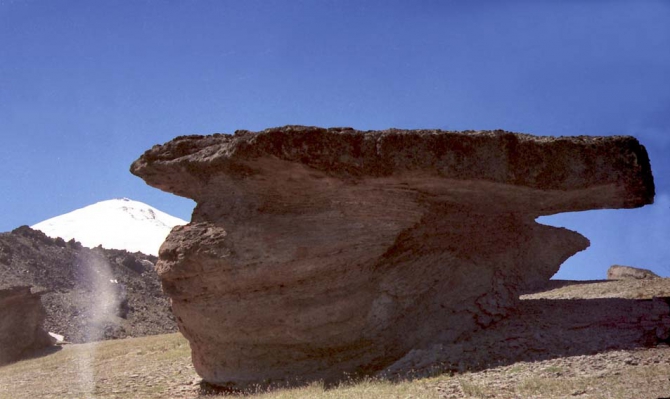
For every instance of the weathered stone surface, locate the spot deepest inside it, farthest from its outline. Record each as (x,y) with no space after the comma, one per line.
(21,320)
(313,252)
(618,272)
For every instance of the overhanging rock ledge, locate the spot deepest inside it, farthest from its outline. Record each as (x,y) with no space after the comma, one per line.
(315,252)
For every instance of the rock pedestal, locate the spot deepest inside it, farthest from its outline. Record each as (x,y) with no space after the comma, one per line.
(21,324)
(316,252)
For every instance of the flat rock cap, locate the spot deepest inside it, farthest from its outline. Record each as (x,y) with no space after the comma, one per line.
(591,172)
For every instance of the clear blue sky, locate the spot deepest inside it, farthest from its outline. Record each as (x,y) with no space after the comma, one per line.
(87,86)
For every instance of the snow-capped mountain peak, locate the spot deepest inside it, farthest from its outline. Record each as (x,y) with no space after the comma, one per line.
(118,223)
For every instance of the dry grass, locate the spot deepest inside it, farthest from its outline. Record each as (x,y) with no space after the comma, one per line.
(147,367)
(643,373)
(160,367)
(154,367)
(368,389)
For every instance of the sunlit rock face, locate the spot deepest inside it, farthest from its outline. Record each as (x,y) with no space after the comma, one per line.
(316,252)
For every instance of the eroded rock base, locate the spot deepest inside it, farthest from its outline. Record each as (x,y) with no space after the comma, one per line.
(313,253)
(351,297)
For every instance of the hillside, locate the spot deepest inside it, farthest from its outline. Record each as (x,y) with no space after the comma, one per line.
(92,294)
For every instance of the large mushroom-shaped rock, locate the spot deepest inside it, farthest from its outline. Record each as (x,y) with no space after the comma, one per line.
(21,324)
(316,252)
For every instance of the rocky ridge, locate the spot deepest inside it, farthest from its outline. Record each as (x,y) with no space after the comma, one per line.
(618,272)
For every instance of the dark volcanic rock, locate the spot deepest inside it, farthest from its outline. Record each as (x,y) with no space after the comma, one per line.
(314,252)
(21,324)
(91,294)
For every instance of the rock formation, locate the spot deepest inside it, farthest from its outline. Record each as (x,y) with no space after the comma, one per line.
(21,321)
(316,252)
(617,272)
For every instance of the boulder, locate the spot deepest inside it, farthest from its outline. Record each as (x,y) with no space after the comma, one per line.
(618,272)
(21,324)
(317,252)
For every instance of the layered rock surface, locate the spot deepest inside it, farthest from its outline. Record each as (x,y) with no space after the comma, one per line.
(314,252)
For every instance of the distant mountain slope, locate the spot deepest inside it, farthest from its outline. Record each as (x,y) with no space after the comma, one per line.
(92,294)
(114,224)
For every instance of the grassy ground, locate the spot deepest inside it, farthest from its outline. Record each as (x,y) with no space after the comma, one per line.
(640,373)
(146,367)
(160,367)
(152,367)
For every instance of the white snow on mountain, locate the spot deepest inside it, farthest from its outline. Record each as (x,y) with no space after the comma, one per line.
(114,224)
